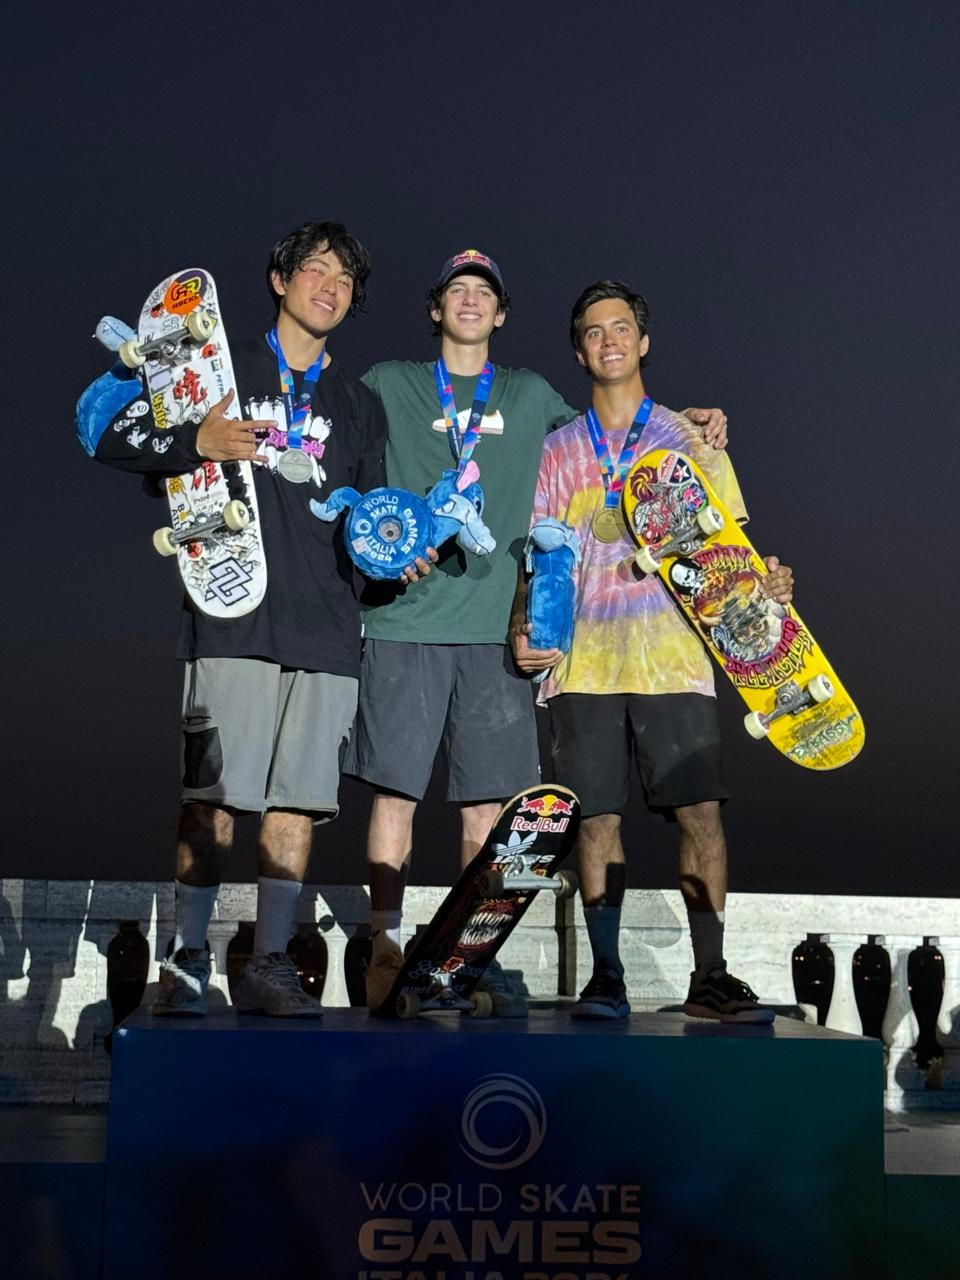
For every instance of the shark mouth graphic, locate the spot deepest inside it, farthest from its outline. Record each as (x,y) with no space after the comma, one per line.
(484,927)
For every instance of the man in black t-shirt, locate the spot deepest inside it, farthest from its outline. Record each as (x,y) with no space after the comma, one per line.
(269,698)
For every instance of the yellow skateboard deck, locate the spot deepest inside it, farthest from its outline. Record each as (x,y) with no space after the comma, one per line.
(686,535)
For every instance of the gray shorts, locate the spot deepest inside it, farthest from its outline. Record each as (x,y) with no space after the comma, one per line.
(259,736)
(464,698)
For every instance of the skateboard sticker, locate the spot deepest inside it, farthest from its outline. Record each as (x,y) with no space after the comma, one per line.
(227,582)
(550,813)
(185,293)
(666,499)
(822,736)
(760,642)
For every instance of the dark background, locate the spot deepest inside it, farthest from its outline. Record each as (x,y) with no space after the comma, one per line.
(779,181)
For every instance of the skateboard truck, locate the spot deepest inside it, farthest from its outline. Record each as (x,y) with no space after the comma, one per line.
(689,537)
(517,876)
(234,516)
(444,996)
(790,700)
(198,326)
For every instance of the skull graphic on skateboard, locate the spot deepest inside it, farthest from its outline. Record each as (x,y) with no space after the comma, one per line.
(533,833)
(182,355)
(688,538)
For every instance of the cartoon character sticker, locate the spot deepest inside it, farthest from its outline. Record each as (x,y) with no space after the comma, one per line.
(726,597)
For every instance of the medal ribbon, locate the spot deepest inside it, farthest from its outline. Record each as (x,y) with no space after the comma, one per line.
(299,406)
(613,476)
(462,448)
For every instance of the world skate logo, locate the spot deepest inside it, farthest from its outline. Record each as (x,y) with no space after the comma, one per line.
(504,1122)
(228,582)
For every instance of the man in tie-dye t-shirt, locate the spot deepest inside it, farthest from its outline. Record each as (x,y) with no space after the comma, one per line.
(637,681)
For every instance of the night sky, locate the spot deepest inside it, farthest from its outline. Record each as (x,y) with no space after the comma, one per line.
(779,181)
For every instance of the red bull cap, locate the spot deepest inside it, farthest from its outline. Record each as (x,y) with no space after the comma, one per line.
(472,262)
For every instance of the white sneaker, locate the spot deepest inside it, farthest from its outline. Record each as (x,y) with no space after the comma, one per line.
(385,964)
(271,985)
(182,991)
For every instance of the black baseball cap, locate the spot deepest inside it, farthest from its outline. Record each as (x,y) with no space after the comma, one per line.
(473,262)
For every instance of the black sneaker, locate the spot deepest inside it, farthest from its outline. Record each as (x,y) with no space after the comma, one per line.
(508,1001)
(720,995)
(604,996)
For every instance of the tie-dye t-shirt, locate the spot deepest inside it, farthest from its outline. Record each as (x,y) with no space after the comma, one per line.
(629,637)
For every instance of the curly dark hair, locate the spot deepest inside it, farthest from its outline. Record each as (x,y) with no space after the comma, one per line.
(598,292)
(289,254)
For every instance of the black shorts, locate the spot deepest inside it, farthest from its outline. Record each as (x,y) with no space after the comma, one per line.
(674,738)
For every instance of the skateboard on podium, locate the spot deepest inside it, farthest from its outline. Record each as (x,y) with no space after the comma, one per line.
(688,538)
(532,835)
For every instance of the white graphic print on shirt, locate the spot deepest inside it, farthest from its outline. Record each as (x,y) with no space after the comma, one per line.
(273,443)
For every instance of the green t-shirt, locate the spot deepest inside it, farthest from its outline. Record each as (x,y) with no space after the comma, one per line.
(466,598)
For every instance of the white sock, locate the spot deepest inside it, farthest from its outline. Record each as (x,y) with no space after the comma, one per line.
(276,913)
(193,909)
(385,927)
(706,938)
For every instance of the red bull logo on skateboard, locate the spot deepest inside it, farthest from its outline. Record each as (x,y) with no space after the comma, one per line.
(550,813)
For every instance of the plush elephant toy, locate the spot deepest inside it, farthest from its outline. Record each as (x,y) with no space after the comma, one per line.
(112,392)
(551,551)
(387,529)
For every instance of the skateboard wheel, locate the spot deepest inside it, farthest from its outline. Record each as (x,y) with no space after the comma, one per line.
(408,1005)
(820,688)
(235,515)
(131,355)
(490,884)
(646,560)
(200,325)
(163,543)
(710,520)
(481,1004)
(755,725)
(568,885)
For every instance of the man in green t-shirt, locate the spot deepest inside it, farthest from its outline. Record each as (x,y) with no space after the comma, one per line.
(437,671)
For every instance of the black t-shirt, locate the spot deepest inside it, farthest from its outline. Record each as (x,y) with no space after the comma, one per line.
(309,618)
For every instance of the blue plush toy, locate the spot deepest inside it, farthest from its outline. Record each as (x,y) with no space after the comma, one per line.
(111,392)
(551,552)
(387,529)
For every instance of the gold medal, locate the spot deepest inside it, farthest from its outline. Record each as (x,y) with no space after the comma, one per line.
(609,525)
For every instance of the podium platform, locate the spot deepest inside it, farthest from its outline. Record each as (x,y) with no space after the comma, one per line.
(453,1149)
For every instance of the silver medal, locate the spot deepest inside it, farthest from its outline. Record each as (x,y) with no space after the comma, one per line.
(295,466)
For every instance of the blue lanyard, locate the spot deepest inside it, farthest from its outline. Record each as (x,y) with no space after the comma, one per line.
(613,476)
(462,449)
(300,405)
